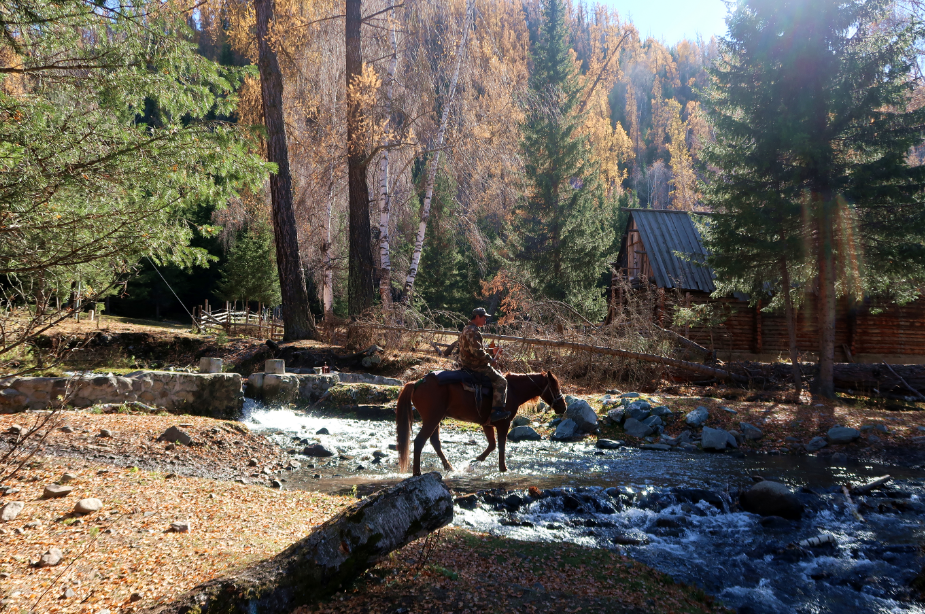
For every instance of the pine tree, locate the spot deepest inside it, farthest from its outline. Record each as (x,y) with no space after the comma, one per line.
(809,107)
(250,273)
(561,226)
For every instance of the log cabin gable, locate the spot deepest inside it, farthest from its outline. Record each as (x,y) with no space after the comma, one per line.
(665,249)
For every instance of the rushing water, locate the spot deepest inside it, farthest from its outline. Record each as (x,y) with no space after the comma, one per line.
(651,505)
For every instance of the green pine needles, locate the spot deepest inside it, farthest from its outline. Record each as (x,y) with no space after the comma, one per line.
(561,228)
(810,106)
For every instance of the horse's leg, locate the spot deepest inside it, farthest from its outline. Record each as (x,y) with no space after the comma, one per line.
(435,442)
(427,429)
(490,436)
(502,440)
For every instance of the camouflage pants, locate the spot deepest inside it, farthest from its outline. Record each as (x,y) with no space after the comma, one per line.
(498,384)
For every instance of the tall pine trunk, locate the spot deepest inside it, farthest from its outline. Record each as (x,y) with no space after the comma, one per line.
(826,309)
(297,316)
(385,196)
(435,160)
(791,327)
(360,271)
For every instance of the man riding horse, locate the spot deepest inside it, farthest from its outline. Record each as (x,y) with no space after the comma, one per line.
(474,357)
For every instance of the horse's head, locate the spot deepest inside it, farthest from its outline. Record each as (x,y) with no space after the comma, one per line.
(552,394)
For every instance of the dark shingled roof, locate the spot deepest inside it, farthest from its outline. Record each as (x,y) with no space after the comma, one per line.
(664,233)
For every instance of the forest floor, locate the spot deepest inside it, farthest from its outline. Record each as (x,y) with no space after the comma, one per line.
(124,557)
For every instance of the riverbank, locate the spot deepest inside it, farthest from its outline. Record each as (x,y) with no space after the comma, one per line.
(127,556)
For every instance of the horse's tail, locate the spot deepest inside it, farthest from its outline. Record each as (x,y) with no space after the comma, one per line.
(403,419)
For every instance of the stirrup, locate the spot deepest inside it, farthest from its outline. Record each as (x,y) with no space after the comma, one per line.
(498,414)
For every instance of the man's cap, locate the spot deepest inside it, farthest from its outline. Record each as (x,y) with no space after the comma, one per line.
(479,311)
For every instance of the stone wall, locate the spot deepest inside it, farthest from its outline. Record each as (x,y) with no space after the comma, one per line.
(283,388)
(205,394)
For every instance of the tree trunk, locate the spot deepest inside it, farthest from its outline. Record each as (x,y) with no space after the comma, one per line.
(297,316)
(791,326)
(435,160)
(327,288)
(385,196)
(826,309)
(334,554)
(360,268)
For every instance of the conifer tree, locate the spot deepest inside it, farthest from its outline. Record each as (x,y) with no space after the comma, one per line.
(812,132)
(250,273)
(561,226)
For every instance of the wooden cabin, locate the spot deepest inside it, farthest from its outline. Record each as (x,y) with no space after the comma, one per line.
(661,252)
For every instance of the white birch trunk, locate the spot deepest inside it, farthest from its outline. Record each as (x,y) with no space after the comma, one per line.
(435,160)
(327,289)
(385,197)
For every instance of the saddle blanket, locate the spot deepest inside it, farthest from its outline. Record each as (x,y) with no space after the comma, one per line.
(469,380)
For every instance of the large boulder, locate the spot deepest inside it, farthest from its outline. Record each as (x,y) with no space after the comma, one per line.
(697,416)
(717,439)
(842,434)
(639,410)
(661,411)
(583,415)
(750,431)
(617,415)
(566,430)
(318,450)
(771,499)
(523,433)
(333,555)
(634,427)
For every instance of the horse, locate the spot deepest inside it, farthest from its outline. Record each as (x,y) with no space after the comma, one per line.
(435,402)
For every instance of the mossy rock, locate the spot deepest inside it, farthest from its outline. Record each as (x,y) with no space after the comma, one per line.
(361,394)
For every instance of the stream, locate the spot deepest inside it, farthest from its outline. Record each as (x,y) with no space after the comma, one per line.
(670,510)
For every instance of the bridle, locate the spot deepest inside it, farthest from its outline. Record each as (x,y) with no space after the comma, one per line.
(543,391)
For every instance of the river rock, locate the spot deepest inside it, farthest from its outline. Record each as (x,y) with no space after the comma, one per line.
(634,427)
(668,440)
(11,510)
(523,433)
(842,434)
(717,439)
(88,506)
(176,435)
(583,415)
(566,430)
(608,444)
(771,499)
(317,450)
(816,443)
(661,447)
(617,415)
(697,416)
(55,491)
(51,558)
(520,421)
(661,411)
(750,431)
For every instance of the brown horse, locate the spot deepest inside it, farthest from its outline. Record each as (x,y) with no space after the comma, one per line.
(435,402)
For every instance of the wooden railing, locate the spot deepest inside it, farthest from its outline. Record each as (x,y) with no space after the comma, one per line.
(263,323)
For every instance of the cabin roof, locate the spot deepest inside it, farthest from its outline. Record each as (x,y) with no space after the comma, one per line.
(666,234)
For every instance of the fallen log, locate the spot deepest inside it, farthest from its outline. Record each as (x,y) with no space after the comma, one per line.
(332,555)
(856,376)
(583,347)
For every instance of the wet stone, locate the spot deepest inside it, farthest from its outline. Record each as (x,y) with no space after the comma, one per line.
(523,433)
(842,435)
(608,444)
(816,443)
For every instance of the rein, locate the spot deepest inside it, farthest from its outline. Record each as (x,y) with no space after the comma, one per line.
(543,390)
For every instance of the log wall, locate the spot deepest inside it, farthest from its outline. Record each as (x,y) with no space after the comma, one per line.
(872,327)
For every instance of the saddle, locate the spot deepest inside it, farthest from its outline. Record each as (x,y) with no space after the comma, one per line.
(471,382)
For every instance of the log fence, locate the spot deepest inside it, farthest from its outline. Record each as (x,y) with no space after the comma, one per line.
(262,323)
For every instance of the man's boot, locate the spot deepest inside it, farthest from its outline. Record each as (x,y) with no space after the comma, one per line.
(498,414)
